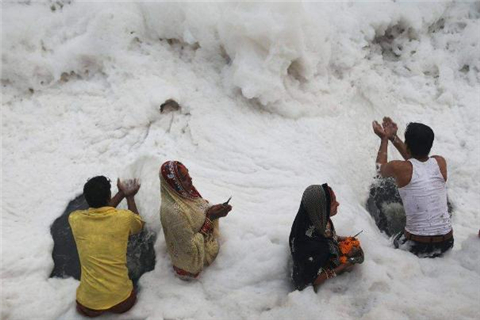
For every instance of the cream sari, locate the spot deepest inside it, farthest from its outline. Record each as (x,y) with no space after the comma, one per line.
(182,216)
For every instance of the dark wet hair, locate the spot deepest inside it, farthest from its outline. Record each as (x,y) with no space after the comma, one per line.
(97,191)
(419,139)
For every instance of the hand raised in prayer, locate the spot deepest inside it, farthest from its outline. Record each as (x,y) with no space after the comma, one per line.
(128,187)
(377,128)
(218,211)
(389,127)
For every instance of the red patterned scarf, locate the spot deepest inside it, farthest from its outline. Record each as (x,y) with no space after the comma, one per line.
(169,172)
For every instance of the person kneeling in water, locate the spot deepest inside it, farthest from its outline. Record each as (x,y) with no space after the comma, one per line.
(101,235)
(189,222)
(421,182)
(316,249)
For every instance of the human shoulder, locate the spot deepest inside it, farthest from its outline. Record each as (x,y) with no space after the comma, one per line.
(75,215)
(124,213)
(134,222)
(401,170)
(399,164)
(442,164)
(441,160)
(394,167)
(127,214)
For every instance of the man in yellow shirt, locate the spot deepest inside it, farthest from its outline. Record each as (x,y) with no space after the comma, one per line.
(101,234)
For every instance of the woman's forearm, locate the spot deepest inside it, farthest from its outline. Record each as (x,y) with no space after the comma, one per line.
(328,273)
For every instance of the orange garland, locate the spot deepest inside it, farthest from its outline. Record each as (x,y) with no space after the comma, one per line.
(346,246)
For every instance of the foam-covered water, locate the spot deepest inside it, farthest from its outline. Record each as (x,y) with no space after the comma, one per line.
(274,97)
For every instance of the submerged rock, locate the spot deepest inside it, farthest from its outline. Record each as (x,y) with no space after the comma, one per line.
(140,251)
(385,206)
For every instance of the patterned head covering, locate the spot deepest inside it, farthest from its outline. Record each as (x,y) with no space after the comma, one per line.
(169,172)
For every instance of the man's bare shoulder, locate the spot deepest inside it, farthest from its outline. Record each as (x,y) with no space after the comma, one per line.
(402,171)
(440,159)
(400,164)
(395,168)
(442,164)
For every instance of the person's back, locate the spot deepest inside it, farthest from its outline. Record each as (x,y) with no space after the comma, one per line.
(425,200)
(101,234)
(422,186)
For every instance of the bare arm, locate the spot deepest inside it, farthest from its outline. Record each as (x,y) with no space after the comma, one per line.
(400,146)
(328,274)
(115,201)
(390,128)
(382,150)
(382,156)
(132,206)
(385,168)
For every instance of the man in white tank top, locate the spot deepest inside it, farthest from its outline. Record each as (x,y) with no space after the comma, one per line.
(421,182)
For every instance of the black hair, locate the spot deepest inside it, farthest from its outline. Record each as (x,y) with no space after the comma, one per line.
(419,139)
(97,192)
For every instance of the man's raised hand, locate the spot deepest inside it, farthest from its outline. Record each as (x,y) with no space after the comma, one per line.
(389,127)
(378,129)
(129,187)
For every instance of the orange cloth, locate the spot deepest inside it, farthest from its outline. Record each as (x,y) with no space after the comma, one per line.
(101,235)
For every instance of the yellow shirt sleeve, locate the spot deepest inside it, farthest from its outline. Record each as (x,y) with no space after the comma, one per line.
(136,223)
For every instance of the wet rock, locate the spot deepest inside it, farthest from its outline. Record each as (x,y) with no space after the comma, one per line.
(140,250)
(385,206)
(169,106)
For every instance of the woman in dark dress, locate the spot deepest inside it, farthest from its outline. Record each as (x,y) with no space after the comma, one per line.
(313,241)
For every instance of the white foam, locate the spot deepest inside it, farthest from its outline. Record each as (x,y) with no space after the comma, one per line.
(274,97)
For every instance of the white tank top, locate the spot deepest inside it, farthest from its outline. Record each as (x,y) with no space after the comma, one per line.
(425,200)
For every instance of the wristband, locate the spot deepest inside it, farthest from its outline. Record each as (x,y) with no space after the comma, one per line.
(330,273)
(207,227)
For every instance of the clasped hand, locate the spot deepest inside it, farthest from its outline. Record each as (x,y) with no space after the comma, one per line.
(388,129)
(218,211)
(128,187)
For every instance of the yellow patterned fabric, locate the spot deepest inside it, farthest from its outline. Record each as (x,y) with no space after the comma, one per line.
(101,235)
(182,218)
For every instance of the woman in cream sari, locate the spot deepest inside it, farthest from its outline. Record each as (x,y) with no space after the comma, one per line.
(189,223)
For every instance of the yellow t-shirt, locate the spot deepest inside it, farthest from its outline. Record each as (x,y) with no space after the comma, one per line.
(101,235)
